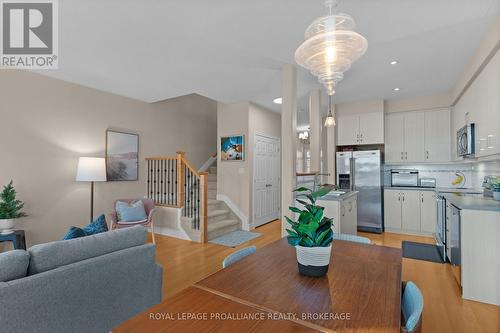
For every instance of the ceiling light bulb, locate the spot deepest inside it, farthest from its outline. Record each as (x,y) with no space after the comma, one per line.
(394,62)
(396,89)
(278,100)
(330,54)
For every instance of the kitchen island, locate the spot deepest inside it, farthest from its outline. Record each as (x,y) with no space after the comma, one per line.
(343,208)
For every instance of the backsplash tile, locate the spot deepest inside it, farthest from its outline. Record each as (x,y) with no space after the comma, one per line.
(445,173)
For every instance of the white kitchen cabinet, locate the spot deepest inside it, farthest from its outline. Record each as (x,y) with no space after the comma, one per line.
(413,138)
(394,137)
(348,130)
(371,128)
(418,136)
(392,209)
(364,128)
(437,135)
(410,211)
(480,104)
(344,213)
(428,211)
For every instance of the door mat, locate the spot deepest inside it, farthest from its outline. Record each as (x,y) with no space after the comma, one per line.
(421,251)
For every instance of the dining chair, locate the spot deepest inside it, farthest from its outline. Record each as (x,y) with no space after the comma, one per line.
(149,207)
(351,238)
(412,306)
(238,255)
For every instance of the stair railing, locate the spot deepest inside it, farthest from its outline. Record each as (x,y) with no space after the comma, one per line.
(173,182)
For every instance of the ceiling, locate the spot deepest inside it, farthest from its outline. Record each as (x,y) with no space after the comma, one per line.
(233,51)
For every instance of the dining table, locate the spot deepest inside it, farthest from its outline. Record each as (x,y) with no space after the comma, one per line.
(264,292)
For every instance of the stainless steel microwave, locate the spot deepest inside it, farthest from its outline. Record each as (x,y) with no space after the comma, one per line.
(465,140)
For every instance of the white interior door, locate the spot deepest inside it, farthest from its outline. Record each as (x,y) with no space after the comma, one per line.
(266,174)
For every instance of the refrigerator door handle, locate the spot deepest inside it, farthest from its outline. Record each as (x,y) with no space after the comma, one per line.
(353,171)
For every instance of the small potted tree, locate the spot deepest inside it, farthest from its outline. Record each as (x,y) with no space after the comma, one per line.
(10,209)
(495,188)
(311,234)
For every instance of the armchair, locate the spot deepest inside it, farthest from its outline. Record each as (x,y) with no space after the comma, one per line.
(149,207)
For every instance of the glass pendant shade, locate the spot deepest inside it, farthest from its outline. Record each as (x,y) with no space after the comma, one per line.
(331,45)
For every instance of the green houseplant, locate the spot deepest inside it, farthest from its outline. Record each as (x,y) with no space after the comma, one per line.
(311,234)
(10,209)
(495,188)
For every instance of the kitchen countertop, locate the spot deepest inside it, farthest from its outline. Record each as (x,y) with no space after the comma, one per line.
(436,189)
(455,196)
(473,203)
(341,197)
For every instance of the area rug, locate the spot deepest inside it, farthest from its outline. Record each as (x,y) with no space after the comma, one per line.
(421,251)
(235,238)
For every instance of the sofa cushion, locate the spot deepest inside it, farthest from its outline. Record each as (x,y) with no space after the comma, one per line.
(44,257)
(97,226)
(129,212)
(74,232)
(13,265)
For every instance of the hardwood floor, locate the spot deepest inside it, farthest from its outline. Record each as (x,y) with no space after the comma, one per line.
(185,263)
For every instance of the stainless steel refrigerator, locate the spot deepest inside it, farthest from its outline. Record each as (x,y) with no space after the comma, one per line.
(362,171)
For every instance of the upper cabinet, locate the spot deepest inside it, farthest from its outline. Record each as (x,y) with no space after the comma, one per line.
(360,129)
(481,101)
(419,136)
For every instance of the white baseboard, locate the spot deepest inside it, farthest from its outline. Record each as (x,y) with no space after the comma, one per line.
(243,218)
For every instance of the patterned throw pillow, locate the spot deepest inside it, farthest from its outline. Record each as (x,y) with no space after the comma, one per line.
(131,212)
(74,232)
(97,226)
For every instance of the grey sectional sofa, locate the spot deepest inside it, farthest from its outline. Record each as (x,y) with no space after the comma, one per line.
(88,284)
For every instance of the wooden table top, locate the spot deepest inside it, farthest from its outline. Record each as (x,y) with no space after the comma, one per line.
(264,292)
(197,310)
(361,292)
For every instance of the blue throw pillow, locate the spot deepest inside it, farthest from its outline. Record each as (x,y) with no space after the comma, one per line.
(132,212)
(74,232)
(97,226)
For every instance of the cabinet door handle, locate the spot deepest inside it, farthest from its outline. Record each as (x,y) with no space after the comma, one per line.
(403,197)
(406,155)
(427,154)
(422,196)
(399,196)
(401,155)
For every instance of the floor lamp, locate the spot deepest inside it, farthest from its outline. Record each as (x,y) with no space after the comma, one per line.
(91,169)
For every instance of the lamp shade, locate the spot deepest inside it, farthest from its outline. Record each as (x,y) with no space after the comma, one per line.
(91,169)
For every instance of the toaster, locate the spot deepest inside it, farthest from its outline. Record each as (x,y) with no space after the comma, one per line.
(427,182)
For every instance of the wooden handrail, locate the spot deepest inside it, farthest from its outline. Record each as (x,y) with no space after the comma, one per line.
(312,173)
(190,167)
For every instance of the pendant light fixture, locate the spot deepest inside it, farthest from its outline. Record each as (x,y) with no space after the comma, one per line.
(330,119)
(331,45)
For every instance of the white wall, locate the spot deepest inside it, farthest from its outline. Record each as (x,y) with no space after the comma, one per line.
(46,124)
(234,179)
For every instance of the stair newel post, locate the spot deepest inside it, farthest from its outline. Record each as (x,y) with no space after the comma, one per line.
(204,206)
(180,178)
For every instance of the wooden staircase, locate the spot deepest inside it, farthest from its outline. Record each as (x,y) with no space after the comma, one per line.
(221,219)
(173,182)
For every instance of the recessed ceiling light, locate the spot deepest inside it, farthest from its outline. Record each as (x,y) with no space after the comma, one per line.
(396,89)
(278,100)
(394,62)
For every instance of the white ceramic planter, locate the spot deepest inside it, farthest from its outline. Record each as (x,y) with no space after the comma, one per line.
(6,226)
(496,196)
(313,261)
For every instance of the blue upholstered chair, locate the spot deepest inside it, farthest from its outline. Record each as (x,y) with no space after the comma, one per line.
(351,238)
(412,306)
(238,255)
